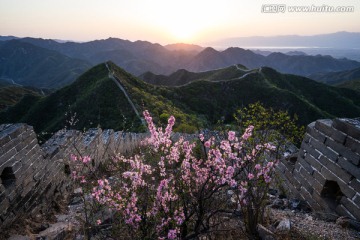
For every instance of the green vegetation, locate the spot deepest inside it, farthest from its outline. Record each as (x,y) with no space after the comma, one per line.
(308,99)
(34,66)
(209,97)
(12,94)
(352,84)
(276,126)
(96,101)
(93,97)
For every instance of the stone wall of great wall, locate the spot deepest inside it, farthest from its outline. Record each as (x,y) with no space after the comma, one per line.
(34,177)
(325,172)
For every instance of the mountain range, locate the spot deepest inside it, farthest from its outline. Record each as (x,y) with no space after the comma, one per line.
(335,78)
(29,65)
(331,40)
(52,64)
(106,96)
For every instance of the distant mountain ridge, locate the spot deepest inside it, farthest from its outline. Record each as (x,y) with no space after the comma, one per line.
(30,65)
(141,56)
(334,78)
(331,40)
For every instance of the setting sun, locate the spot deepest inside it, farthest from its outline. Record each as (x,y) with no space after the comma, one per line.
(183,32)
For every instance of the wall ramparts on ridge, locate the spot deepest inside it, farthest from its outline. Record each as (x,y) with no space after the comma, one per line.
(34,177)
(326,171)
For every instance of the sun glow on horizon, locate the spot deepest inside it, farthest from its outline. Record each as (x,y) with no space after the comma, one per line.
(186,21)
(164,21)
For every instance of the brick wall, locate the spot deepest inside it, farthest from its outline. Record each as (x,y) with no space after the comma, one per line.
(326,171)
(33,177)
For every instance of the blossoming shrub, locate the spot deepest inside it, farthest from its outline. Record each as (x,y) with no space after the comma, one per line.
(167,191)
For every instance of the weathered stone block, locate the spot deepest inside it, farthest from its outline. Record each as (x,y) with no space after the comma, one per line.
(351,207)
(342,211)
(315,133)
(324,150)
(343,151)
(281,167)
(304,183)
(319,177)
(338,136)
(305,165)
(355,184)
(335,169)
(353,144)
(295,182)
(6,158)
(324,126)
(350,167)
(356,199)
(315,164)
(351,156)
(310,150)
(348,126)
(4,139)
(335,146)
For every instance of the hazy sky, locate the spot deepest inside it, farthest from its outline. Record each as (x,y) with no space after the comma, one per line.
(169,21)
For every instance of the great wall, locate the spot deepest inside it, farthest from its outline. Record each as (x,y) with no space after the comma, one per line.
(33,177)
(325,172)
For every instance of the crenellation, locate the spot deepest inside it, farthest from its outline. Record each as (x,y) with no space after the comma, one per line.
(350,127)
(329,156)
(34,175)
(328,168)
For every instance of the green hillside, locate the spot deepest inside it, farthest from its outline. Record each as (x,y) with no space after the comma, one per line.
(351,84)
(34,66)
(97,100)
(306,98)
(10,95)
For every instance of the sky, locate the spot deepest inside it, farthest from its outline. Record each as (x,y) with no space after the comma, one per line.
(171,21)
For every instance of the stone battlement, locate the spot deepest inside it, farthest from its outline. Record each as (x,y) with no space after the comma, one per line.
(34,176)
(326,171)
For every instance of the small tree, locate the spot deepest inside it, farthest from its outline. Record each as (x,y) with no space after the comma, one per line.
(167,191)
(269,126)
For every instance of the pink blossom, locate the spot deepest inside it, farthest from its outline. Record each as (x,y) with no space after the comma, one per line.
(201,137)
(151,186)
(86,159)
(231,135)
(73,157)
(172,234)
